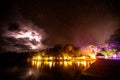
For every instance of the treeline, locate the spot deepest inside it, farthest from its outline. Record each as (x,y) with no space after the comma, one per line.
(15,55)
(61,50)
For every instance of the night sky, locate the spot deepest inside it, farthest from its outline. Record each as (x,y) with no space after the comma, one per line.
(77,22)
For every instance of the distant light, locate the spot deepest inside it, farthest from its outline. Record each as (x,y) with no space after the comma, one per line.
(51,58)
(114,56)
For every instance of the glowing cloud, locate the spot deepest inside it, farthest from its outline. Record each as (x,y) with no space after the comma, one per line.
(27,35)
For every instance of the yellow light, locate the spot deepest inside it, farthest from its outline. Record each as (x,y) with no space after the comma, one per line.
(51,58)
(65,58)
(33,63)
(34,57)
(65,63)
(45,58)
(78,57)
(39,57)
(78,63)
(83,63)
(38,64)
(50,64)
(70,63)
(106,56)
(60,58)
(93,57)
(69,58)
(83,57)
(61,63)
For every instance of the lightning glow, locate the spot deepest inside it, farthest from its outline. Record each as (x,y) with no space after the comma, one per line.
(31,36)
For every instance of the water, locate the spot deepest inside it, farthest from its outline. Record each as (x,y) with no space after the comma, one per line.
(42,70)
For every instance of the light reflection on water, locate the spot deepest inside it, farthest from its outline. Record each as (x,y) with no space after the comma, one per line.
(43,70)
(83,65)
(60,70)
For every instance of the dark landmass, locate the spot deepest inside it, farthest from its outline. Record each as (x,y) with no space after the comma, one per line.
(103,69)
(14,58)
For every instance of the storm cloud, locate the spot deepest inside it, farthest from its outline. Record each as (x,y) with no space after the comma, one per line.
(22,36)
(77,22)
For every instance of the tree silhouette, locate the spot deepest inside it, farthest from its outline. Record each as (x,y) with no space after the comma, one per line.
(114,40)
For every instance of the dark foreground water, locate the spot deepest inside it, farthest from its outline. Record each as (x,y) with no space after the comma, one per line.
(26,69)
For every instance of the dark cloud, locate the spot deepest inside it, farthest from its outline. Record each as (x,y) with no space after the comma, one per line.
(13,26)
(114,38)
(12,44)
